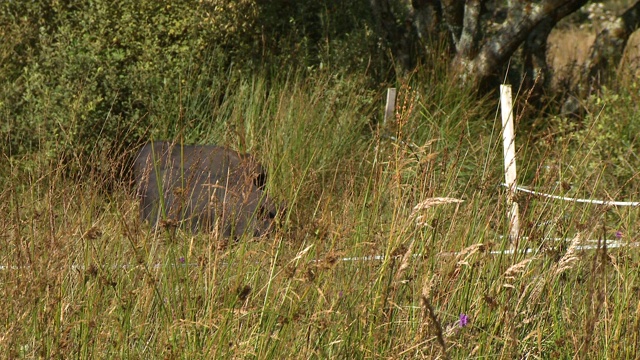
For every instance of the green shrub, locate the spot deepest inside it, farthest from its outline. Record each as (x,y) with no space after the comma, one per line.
(604,145)
(103,73)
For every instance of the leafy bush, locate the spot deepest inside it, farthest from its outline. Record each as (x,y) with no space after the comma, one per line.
(79,77)
(101,73)
(604,145)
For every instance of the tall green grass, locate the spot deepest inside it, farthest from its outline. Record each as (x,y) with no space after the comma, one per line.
(83,278)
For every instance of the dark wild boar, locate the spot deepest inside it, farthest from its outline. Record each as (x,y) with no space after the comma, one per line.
(202,186)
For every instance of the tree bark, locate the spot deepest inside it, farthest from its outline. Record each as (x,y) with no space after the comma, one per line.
(394,37)
(534,58)
(453,15)
(468,43)
(522,19)
(609,46)
(425,16)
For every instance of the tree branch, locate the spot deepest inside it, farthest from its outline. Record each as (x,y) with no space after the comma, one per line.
(453,14)
(469,37)
(609,45)
(520,22)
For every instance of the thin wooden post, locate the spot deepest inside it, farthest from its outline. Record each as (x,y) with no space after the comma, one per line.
(391,105)
(509,152)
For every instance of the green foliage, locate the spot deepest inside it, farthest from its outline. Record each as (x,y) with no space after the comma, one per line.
(315,34)
(83,278)
(92,78)
(94,72)
(305,129)
(605,142)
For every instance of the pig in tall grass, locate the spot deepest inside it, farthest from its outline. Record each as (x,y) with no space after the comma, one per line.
(202,187)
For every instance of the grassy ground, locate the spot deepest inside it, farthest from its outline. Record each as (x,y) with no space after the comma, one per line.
(83,278)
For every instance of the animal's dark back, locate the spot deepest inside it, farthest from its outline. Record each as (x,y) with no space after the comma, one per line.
(202,185)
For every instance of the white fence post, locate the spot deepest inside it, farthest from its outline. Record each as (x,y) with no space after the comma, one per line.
(509,151)
(391,105)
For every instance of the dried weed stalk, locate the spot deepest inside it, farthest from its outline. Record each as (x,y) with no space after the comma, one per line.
(428,203)
(569,258)
(518,268)
(462,258)
(429,312)
(404,265)
(567,262)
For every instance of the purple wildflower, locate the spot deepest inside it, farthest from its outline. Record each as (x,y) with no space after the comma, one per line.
(618,234)
(464,320)
(181,260)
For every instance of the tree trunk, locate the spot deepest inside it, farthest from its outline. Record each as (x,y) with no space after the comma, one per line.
(609,46)
(453,15)
(425,16)
(534,60)
(394,37)
(536,75)
(521,21)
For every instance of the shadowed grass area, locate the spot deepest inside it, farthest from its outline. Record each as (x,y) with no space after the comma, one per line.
(83,278)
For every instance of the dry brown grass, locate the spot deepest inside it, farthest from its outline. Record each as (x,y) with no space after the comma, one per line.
(87,279)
